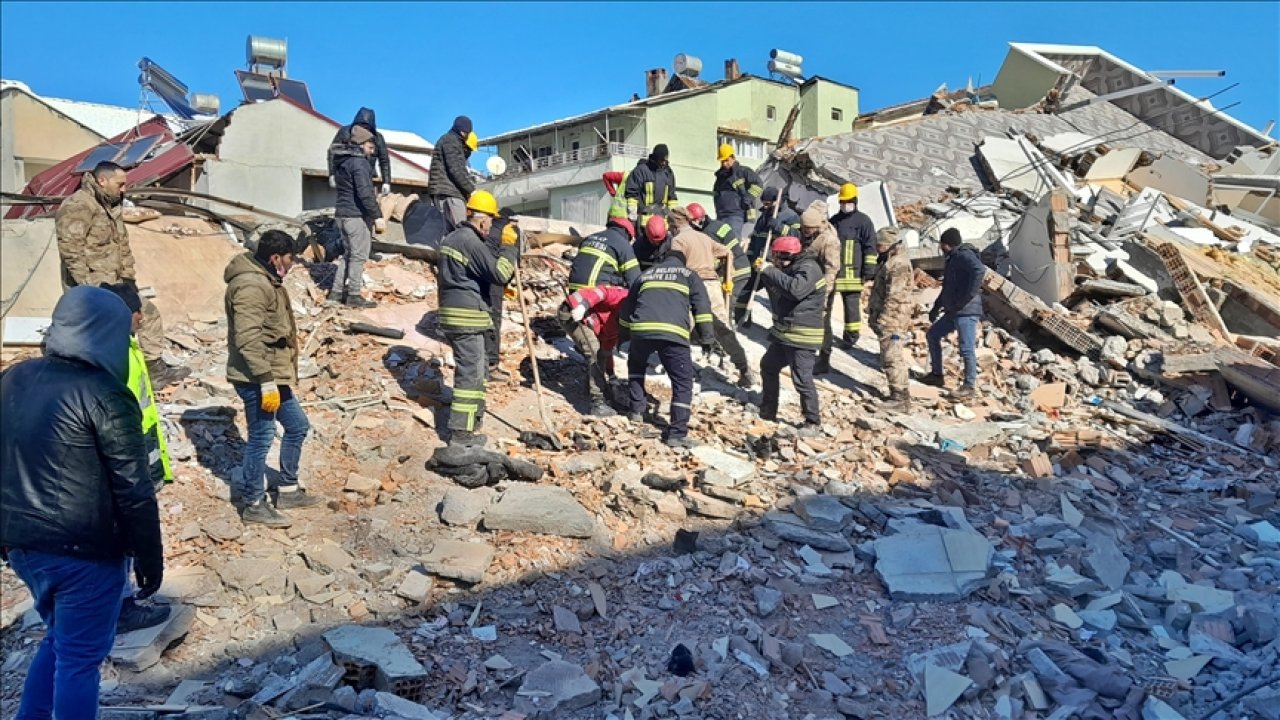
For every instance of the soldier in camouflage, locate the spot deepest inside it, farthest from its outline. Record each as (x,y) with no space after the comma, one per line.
(94,248)
(889,315)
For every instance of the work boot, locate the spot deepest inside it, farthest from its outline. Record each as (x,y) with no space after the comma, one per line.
(163,376)
(809,430)
(680,443)
(747,379)
(296,500)
(335,298)
(497,374)
(934,379)
(823,365)
(261,513)
(849,340)
(964,391)
(899,402)
(464,438)
(635,417)
(136,617)
(600,408)
(358,302)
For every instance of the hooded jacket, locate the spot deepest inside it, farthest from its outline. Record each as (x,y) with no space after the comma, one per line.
(262,339)
(662,301)
(798,296)
(365,119)
(75,478)
(961,294)
(354,181)
(650,187)
(92,240)
(467,270)
(449,175)
(605,258)
(736,190)
(858,255)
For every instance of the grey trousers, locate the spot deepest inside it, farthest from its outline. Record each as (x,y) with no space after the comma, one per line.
(453,209)
(357,241)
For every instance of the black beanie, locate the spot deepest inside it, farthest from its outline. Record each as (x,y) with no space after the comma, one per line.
(951,238)
(660,152)
(462,124)
(770,195)
(126,292)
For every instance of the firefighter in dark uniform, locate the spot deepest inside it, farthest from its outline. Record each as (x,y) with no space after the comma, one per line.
(775,220)
(857,260)
(467,272)
(798,298)
(497,293)
(737,191)
(657,315)
(650,187)
(723,233)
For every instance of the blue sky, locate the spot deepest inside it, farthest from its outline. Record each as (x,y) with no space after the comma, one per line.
(511,65)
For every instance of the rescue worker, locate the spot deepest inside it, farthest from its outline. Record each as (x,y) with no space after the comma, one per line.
(857,260)
(713,263)
(466,271)
(358,215)
(498,294)
(650,187)
(656,315)
(723,233)
(737,191)
(957,309)
(606,257)
(381,158)
(817,234)
(645,246)
(449,184)
(93,245)
(775,220)
(797,289)
(889,315)
(590,317)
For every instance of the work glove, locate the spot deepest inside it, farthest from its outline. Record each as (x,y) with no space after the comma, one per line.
(727,286)
(752,214)
(510,236)
(386,188)
(509,293)
(149,572)
(333,182)
(380,226)
(578,313)
(270,397)
(707,350)
(934,313)
(758,263)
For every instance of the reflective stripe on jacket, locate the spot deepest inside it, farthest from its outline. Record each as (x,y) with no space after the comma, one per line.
(152,429)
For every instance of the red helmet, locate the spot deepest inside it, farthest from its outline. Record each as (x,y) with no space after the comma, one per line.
(656,229)
(696,212)
(625,224)
(786,245)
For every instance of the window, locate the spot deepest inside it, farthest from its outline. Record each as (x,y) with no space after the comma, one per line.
(837,114)
(745,148)
(544,151)
(771,113)
(617,135)
(574,146)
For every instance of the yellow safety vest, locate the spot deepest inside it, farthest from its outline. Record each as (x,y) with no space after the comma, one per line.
(152,430)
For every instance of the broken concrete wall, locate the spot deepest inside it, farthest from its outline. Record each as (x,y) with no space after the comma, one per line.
(1174,177)
(1035,266)
(1248,313)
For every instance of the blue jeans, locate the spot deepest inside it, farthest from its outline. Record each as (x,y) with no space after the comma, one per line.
(79,601)
(966,327)
(262,430)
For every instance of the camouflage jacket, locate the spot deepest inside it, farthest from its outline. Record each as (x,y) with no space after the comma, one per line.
(826,245)
(893,299)
(92,239)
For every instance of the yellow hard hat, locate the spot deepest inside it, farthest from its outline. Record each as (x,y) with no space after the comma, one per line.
(848,191)
(472,141)
(482,201)
(726,152)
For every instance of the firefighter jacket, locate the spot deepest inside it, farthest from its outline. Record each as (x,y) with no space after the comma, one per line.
(893,295)
(722,232)
(152,430)
(605,258)
(467,271)
(737,191)
(650,188)
(772,224)
(661,302)
(798,296)
(603,303)
(857,250)
(92,239)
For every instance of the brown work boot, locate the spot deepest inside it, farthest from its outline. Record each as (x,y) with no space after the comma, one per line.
(899,402)
(964,391)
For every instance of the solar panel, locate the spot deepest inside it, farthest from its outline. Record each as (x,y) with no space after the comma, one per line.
(256,87)
(295,90)
(106,151)
(135,151)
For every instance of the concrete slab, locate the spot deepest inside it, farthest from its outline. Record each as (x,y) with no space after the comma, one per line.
(459,560)
(547,510)
(1106,562)
(138,650)
(1174,177)
(554,689)
(377,647)
(1114,165)
(932,563)
(823,512)
(942,688)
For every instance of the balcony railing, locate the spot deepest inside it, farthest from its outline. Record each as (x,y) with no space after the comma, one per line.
(580,156)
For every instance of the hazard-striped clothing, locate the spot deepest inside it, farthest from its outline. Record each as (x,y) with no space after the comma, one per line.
(668,302)
(857,262)
(798,297)
(605,258)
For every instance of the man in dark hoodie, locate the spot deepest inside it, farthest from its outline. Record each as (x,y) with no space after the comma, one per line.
(357,213)
(76,496)
(364,119)
(651,187)
(957,309)
(450,184)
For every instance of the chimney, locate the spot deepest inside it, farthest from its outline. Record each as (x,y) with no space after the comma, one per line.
(731,69)
(655,81)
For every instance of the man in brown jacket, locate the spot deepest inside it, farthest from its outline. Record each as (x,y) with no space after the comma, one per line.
(818,235)
(262,366)
(889,314)
(94,247)
(702,255)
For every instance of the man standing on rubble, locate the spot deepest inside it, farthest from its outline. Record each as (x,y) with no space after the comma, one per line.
(775,220)
(94,247)
(651,186)
(889,313)
(656,315)
(358,214)
(713,263)
(957,309)
(262,366)
(797,292)
(364,119)
(76,497)
(467,270)
(737,191)
(817,234)
(857,260)
(449,183)
(590,317)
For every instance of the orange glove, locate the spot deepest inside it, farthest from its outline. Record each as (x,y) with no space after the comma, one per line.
(727,286)
(270,397)
(509,234)
(509,293)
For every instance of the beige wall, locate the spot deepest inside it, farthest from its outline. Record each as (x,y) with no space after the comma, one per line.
(33,138)
(1022,80)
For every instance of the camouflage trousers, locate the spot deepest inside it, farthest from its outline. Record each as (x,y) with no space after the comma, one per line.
(151,332)
(895,360)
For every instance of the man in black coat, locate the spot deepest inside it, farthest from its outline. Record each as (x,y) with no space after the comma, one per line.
(76,496)
(450,184)
(364,119)
(957,309)
(357,214)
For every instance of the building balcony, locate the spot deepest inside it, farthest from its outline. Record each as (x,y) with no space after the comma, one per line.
(581,156)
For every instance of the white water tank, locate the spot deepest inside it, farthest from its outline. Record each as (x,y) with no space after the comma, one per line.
(205,103)
(783,68)
(786,57)
(688,65)
(271,52)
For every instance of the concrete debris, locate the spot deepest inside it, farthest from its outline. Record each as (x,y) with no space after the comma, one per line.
(554,689)
(546,510)
(932,563)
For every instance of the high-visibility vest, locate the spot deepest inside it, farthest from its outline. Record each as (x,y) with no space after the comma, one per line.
(152,430)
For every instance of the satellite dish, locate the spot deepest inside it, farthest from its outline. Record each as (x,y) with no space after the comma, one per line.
(495,165)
